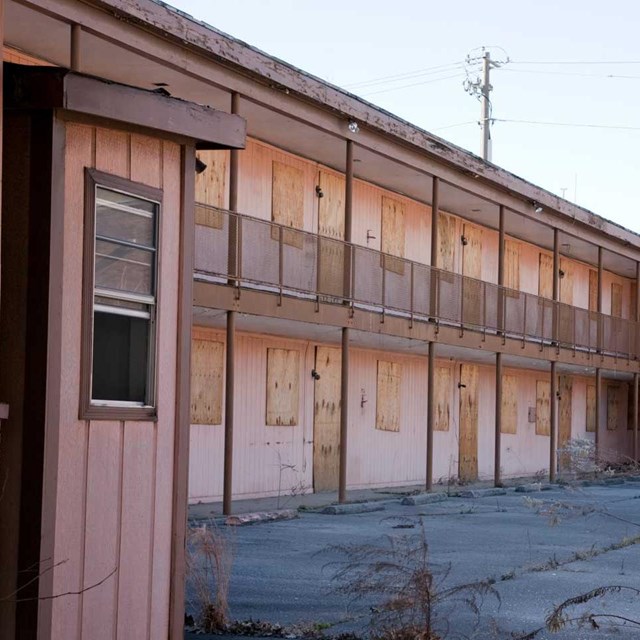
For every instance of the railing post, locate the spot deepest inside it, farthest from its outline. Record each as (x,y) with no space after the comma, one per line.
(524,321)
(411,290)
(352,269)
(384,285)
(280,261)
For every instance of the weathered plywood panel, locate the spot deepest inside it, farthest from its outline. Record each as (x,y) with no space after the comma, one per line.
(446,242)
(614,406)
(331,228)
(512,250)
(393,233)
(283,382)
(591,408)
(616,300)
(509,404)
(472,301)
(468,438)
(545,276)
(565,388)
(326,420)
(442,398)
(146,160)
(543,407)
(566,281)
(206,381)
(388,396)
(630,408)
(593,290)
(211,184)
(287,201)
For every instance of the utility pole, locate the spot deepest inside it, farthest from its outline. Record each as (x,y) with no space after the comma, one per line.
(485,89)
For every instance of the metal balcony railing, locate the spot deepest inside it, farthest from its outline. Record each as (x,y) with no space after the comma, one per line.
(248,252)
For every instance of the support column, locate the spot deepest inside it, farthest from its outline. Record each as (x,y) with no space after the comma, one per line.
(348,220)
(636,381)
(600,328)
(431,411)
(344,415)
(556,284)
(234,156)
(435,243)
(553,435)
(76,35)
(229,387)
(501,299)
(497,480)
(598,402)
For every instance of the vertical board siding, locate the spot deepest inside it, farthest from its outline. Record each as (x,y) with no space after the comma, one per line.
(567,281)
(211,185)
(283,382)
(393,233)
(509,404)
(593,290)
(331,226)
(114,484)
(613,406)
(206,381)
(446,242)
(545,276)
(616,300)
(468,460)
(326,419)
(512,251)
(388,392)
(591,408)
(442,398)
(543,408)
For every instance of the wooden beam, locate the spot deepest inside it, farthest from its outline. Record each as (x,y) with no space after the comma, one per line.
(344,415)
(74,53)
(227,490)
(497,481)
(431,411)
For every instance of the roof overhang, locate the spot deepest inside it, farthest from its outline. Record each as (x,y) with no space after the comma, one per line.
(34,88)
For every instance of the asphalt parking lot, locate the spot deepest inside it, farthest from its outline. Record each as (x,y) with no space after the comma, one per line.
(538,549)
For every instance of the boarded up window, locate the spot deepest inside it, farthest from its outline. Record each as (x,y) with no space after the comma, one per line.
(468,443)
(472,299)
(613,406)
(287,202)
(593,290)
(616,300)
(566,281)
(509,404)
(331,228)
(543,408)
(446,242)
(442,398)
(591,408)
(388,396)
(211,188)
(206,381)
(545,276)
(512,264)
(393,230)
(283,378)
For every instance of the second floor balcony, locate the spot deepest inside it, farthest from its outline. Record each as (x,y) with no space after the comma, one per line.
(246,252)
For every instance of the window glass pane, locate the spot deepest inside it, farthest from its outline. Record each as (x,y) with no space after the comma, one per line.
(123,268)
(120,358)
(124,217)
(122,304)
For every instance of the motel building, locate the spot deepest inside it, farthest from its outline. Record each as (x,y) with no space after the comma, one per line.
(224,278)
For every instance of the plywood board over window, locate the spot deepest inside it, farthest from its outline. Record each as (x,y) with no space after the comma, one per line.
(393,234)
(468,443)
(472,299)
(616,300)
(287,202)
(509,404)
(283,383)
(446,242)
(206,381)
(545,276)
(566,281)
(388,396)
(442,398)
(543,407)
(211,188)
(591,408)
(614,391)
(512,264)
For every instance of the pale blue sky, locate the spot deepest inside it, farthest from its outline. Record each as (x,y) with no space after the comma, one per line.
(348,42)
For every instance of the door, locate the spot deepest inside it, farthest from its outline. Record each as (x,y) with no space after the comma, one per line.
(472,268)
(468,438)
(331,196)
(565,388)
(326,420)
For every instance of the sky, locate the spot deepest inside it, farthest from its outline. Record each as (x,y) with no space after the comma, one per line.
(570,63)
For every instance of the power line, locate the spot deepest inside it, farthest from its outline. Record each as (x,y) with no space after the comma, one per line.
(415,84)
(560,62)
(405,76)
(568,73)
(458,124)
(569,124)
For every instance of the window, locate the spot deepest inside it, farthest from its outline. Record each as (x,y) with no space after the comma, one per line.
(120,298)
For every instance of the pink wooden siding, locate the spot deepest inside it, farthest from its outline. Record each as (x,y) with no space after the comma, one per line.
(113,491)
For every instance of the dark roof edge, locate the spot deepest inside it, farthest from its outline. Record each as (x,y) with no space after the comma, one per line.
(178,25)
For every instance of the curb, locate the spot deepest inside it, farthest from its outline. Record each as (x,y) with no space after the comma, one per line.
(423,498)
(481,493)
(260,516)
(356,507)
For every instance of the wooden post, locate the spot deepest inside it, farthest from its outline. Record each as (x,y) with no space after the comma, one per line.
(600,327)
(348,223)
(227,490)
(435,206)
(636,312)
(553,400)
(431,411)
(556,285)
(636,381)
(501,299)
(344,416)
(74,55)
(497,481)
(598,393)
(233,268)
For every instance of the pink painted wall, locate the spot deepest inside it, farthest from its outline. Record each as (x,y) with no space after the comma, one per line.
(108,484)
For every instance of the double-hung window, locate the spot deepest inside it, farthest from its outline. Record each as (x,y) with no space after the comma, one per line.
(121,268)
